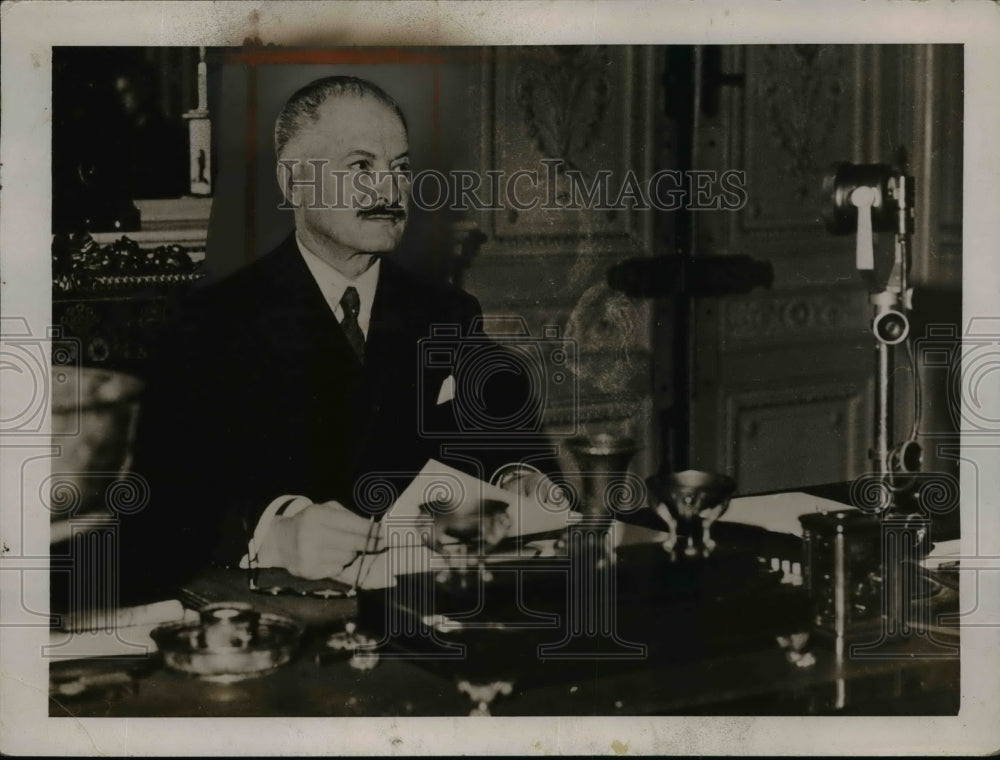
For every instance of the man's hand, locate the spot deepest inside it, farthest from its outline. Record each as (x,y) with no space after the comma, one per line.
(533,484)
(319,541)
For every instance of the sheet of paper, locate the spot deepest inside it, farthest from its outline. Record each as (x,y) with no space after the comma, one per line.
(131,640)
(126,617)
(942,553)
(527,515)
(778,512)
(437,481)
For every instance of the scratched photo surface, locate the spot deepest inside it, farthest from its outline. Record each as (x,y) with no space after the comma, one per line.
(621,316)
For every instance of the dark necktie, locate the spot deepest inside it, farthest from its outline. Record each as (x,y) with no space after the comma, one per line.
(351,304)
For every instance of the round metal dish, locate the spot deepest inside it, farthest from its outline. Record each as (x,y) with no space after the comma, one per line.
(230,642)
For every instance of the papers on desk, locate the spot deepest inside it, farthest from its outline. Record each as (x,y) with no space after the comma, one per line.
(528,517)
(123,617)
(943,553)
(406,555)
(123,632)
(778,512)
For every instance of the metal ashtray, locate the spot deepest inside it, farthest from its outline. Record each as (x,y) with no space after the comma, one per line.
(230,642)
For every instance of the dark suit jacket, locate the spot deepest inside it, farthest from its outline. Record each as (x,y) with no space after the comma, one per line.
(257,394)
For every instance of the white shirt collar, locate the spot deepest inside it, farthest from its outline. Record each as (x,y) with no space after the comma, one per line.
(333,284)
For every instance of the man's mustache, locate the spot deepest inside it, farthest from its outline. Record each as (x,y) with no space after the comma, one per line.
(396,212)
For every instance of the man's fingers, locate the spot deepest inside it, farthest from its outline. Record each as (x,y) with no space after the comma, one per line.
(318,538)
(322,539)
(541,488)
(330,565)
(350,523)
(330,527)
(334,514)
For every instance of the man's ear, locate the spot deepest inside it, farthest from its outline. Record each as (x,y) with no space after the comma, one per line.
(284,173)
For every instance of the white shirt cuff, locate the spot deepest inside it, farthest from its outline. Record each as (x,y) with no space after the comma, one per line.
(283,506)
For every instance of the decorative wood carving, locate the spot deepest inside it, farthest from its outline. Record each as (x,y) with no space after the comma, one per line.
(563,95)
(585,106)
(797,119)
(793,317)
(591,107)
(802,97)
(112,300)
(80,318)
(81,264)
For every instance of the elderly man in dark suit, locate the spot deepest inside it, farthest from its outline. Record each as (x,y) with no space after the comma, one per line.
(287,383)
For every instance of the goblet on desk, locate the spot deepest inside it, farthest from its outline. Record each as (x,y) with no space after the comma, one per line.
(603,459)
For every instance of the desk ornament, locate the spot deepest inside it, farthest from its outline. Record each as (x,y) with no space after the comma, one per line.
(689,502)
(230,642)
(360,650)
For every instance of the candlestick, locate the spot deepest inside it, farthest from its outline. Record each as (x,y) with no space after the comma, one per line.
(202,81)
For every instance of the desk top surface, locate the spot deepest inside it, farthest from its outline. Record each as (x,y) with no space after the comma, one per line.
(918,675)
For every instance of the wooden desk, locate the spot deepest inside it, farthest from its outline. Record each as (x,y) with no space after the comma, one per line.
(761,682)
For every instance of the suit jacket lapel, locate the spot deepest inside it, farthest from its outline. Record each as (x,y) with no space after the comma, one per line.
(394,374)
(390,342)
(394,317)
(295,318)
(300,329)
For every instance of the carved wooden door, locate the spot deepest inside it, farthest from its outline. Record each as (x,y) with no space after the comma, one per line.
(590,109)
(781,389)
(782,379)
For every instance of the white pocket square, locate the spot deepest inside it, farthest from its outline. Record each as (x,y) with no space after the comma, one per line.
(447,392)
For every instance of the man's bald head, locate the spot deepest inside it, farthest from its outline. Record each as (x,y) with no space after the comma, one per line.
(303,108)
(343,166)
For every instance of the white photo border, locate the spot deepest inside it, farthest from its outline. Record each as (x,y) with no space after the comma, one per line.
(31,29)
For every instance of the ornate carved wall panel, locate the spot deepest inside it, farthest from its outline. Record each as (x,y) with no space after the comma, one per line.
(594,108)
(793,317)
(780,376)
(813,434)
(799,109)
(583,109)
(797,120)
(941,98)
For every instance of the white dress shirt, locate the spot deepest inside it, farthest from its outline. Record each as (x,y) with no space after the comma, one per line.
(333,284)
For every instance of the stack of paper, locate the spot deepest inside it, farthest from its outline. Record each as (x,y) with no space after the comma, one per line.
(778,512)
(527,515)
(122,633)
(943,553)
(405,554)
